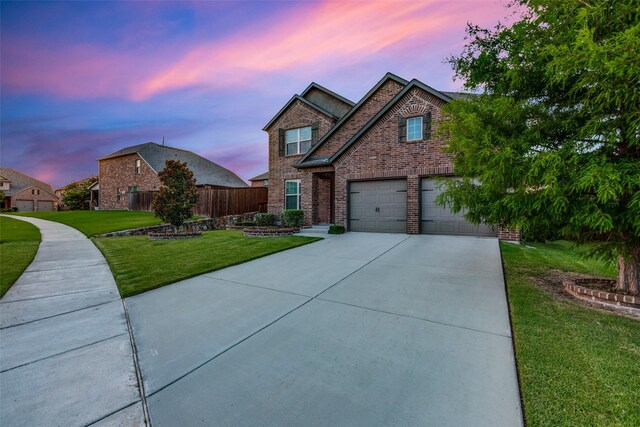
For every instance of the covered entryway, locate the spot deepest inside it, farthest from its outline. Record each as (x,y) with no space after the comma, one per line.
(379,206)
(24,205)
(45,206)
(436,219)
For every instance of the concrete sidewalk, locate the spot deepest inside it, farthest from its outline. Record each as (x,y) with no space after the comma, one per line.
(66,356)
(360,329)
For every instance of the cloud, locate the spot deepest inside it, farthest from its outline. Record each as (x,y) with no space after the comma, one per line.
(308,38)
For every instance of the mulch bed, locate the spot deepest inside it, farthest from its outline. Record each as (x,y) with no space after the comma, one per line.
(564,286)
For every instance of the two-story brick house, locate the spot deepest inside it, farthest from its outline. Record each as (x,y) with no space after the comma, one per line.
(370,165)
(134,169)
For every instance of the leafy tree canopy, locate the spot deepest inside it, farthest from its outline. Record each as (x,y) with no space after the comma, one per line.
(552,143)
(77,194)
(174,202)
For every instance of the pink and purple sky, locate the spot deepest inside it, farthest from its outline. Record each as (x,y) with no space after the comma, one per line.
(82,79)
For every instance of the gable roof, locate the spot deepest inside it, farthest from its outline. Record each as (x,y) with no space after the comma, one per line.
(260,177)
(204,171)
(315,85)
(291,101)
(346,117)
(413,84)
(20,182)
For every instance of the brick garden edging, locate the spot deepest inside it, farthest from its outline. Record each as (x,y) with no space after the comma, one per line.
(199,225)
(627,303)
(269,231)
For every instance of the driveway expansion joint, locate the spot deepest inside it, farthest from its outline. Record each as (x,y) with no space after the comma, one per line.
(62,352)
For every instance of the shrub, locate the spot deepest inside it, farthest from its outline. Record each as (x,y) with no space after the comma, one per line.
(336,229)
(177,196)
(293,218)
(76,196)
(12,209)
(264,219)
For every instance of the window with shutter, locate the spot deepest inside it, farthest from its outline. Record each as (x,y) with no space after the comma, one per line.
(427,126)
(402,129)
(281,141)
(314,134)
(297,141)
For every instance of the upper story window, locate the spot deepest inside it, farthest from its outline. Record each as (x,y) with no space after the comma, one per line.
(298,141)
(137,166)
(414,129)
(411,129)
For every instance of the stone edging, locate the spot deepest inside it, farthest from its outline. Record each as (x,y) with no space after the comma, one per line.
(173,236)
(610,299)
(269,231)
(199,225)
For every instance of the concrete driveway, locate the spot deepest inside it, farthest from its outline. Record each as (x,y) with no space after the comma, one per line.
(358,329)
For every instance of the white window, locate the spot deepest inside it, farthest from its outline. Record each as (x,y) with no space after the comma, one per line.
(414,129)
(138,167)
(298,141)
(292,194)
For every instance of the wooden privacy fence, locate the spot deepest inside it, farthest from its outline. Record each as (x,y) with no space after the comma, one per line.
(213,202)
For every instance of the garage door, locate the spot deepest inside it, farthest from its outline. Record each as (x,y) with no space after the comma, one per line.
(44,206)
(379,206)
(24,205)
(440,220)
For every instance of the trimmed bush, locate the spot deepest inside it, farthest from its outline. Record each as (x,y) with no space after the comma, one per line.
(12,209)
(292,218)
(336,229)
(264,219)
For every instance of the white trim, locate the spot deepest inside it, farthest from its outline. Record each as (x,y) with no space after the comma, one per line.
(298,194)
(421,128)
(297,141)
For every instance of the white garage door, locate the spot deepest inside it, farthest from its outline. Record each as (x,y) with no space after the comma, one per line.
(45,206)
(23,205)
(436,219)
(379,206)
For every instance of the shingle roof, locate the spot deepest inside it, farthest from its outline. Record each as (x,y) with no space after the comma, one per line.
(260,177)
(205,171)
(20,181)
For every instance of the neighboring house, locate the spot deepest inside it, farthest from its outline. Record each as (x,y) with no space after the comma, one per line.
(261,180)
(25,193)
(60,191)
(370,166)
(136,168)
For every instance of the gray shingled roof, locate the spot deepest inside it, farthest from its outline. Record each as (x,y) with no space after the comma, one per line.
(260,177)
(205,171)
(20,181)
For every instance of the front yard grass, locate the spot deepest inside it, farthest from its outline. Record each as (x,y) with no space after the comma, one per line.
(578,366)
(139,264)
(19,243)
(91,223)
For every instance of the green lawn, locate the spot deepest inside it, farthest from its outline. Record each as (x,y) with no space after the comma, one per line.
(97,222)
(19,242)
(578,366)
(139,264)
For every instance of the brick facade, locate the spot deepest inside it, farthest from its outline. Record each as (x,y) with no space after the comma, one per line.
(281,167)
(119,173)
(377,153)
(34,194)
